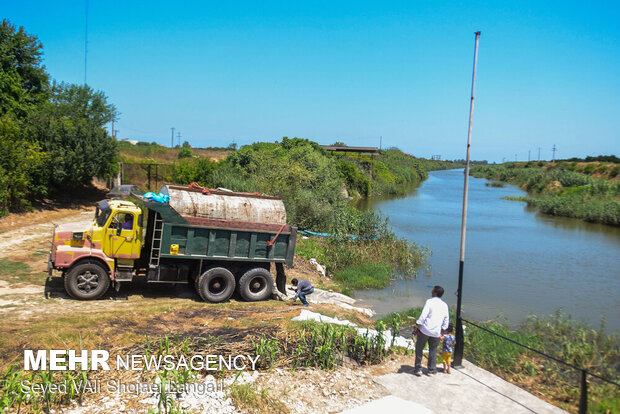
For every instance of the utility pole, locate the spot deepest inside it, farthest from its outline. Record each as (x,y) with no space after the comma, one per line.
(458,348)
(528,155)
(554,149)
(172,140)
(380,142)
(538,153)
(515,157)
(113,136)
(179,138)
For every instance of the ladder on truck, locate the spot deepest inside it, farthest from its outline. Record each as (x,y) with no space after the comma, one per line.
(158,227)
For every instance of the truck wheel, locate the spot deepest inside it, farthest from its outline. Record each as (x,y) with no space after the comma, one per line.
(256,284)
(216,285)
(87,281)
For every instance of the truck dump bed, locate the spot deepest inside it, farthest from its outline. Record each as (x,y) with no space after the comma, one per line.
(218,225)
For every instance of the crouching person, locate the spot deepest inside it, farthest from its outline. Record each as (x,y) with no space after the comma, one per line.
(302,289)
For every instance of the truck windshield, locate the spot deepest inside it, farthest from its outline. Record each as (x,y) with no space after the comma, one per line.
(101,216)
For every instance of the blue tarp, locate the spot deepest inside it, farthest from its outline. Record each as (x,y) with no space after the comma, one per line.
(160,198)
(312,233)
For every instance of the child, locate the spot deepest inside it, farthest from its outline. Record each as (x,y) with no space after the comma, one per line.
(447,347)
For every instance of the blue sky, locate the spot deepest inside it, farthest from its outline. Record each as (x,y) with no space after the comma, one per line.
(548,72)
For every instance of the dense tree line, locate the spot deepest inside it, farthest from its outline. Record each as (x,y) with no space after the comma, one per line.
(52,135)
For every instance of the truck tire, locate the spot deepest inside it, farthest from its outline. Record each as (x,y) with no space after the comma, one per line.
(87,281)
(216,285)
(256,284)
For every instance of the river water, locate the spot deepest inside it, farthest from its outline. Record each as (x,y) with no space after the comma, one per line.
(518,262)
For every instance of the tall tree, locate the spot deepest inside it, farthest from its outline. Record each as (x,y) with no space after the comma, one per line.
(24,84)
(70,128)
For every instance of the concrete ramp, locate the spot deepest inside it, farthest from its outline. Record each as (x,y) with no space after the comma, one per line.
(389,404)
(467,390)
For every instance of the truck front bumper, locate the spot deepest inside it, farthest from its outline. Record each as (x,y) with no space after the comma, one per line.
(50,264)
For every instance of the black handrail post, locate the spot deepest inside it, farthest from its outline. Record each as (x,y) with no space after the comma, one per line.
(583,394)
(460,337)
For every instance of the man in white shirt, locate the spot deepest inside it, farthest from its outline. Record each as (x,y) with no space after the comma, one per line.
(432,321)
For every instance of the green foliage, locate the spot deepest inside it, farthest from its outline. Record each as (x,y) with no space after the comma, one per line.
(354,178)
(185,152)
(199,170)
(365,276)
(22,168)
(323,346)
(601,158)
(392,172)
(363,264)
(78,147)
(23,81)
(13,398)
(557,189)
(80,102)
(297,170)
(247,398)
(494,353)
(51,136)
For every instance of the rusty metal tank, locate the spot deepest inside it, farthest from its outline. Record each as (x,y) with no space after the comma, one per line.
(222,204)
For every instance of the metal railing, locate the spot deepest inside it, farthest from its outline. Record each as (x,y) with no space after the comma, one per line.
(583,392)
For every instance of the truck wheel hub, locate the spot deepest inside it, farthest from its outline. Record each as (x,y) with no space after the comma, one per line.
(256,285)
(87,281)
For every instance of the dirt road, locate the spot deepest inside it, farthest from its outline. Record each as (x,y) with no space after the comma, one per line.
(21,235)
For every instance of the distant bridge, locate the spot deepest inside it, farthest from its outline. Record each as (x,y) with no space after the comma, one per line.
(360,150)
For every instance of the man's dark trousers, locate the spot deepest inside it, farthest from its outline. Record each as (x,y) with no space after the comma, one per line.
(432,352)
(303,293)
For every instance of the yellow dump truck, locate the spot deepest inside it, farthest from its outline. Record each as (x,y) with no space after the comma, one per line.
(222,241)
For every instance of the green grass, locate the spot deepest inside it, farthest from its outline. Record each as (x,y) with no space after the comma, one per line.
(359,264)
(497,184)
(247,398)
(365,276)
(18,272)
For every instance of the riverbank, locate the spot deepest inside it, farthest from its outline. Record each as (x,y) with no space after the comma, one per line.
(588,191)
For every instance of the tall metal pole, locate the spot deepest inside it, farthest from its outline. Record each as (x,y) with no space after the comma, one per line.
(458,348)
(172,141)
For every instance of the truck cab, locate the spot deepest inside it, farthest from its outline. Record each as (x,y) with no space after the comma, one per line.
(91,258)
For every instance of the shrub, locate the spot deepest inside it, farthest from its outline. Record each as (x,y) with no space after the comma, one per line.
(185,152)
